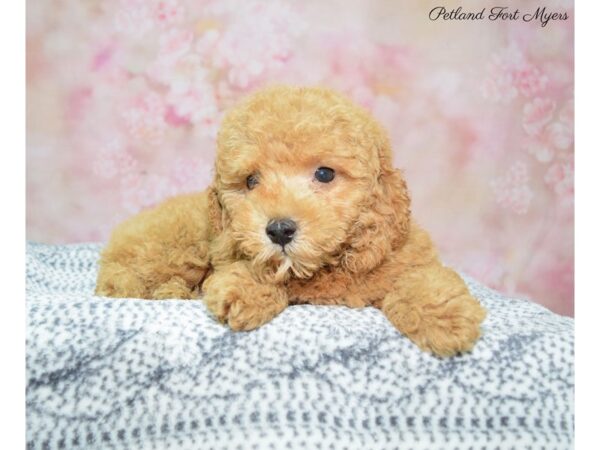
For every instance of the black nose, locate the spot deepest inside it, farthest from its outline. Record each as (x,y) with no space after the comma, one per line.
(281,231)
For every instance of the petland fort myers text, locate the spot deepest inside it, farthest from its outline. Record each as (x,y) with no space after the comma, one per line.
(541,15)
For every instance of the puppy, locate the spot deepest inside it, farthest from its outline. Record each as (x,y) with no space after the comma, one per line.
(305,207)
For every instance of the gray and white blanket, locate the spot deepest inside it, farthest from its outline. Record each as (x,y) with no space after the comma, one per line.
(136,374)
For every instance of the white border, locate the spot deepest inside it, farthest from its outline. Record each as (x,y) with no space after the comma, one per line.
(587,223)
(12,244)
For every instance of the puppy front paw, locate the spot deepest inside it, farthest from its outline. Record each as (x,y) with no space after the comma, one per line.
(443,328)
(236,299)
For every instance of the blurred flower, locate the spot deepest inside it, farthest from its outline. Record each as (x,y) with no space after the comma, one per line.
(173,44)
(190,97)
(512,191)
(207,43)
(134,17)
(510,73)
(555,138)
(560,134)
(499,87)
(105,163)
(365,70)
(547,140)
(102,57)
(257,40)
(499,83)
(144,118)
(567,113)
(139,191)
(536,114)
(196,104)
(560,177)
(540,148)
(167,12)
(445,86)
(189,173)
(529,80)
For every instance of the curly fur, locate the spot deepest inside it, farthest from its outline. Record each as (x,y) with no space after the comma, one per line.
(356,244)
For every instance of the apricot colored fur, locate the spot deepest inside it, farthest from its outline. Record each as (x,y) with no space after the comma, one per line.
(356,243)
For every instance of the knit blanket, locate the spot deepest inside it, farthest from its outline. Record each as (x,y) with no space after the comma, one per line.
(136,374)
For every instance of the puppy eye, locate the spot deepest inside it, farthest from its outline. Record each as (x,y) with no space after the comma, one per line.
(251,181)
(324,174)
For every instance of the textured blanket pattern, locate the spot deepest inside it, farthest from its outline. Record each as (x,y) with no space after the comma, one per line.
(135,374)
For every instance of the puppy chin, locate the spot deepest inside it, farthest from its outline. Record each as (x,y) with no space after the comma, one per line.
(283,270)
(274,265)
(271,265)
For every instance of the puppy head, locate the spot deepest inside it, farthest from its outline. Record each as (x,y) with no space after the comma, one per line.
(304,180)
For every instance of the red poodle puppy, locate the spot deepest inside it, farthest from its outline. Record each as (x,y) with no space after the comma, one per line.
(305,207)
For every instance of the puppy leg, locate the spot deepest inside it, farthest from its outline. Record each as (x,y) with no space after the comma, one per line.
(159,253)
(432,306)
(118,280)
(236,298)
(176,287)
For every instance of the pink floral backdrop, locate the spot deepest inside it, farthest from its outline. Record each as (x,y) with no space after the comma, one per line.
(125,97)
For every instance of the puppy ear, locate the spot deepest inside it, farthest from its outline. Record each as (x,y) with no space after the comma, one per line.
(382,225)
(221,245)
(215,212)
